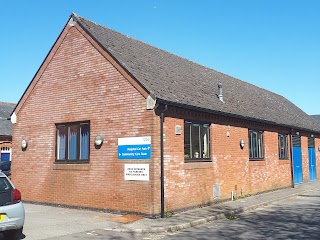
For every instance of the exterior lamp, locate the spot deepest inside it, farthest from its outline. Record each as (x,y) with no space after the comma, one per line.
(98,140)
(24,144)
(242,143)
(319,148)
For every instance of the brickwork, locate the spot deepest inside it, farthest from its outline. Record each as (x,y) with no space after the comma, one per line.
(79,84)
(271,173)
(305,158)
(191,184)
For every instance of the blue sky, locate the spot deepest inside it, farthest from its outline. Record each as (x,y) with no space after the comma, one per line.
(273,44)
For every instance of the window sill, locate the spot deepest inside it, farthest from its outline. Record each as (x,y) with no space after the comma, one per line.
(260,162)
(284,161)
(190,160)
(77,167)
(198,165)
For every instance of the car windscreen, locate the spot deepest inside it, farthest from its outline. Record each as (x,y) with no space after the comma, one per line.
(5,192)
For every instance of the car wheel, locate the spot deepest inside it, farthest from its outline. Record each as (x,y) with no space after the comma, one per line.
(13,234)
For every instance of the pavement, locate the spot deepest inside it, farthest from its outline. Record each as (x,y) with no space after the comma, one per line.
(48,222)
(213,212)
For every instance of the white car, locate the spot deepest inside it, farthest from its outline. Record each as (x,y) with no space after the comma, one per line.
(11,209)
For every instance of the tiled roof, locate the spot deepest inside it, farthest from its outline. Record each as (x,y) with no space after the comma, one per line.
(5,124)
(176,80)
(317,117)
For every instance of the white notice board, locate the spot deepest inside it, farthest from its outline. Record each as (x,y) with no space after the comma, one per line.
(136,172)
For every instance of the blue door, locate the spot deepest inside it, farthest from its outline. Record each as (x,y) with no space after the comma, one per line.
(5,156)
(312,159)
(297,165)
(296,159)
(312,164)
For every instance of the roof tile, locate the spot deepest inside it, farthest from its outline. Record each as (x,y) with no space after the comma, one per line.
(174,79)
(5,124)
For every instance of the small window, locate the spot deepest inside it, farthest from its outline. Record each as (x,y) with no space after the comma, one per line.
(283,146)
(73,142)
(196,141)
(256,148)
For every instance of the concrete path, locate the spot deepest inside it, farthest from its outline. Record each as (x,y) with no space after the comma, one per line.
(295,218)
(203,215)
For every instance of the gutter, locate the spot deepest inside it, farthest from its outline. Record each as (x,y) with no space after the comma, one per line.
(166,102)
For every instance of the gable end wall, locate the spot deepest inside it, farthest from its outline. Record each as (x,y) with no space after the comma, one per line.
(80,84)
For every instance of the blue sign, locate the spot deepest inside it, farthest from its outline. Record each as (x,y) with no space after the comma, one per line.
(134,151)
(134,148)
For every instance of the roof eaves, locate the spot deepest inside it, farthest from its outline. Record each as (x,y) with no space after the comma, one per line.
(220,113)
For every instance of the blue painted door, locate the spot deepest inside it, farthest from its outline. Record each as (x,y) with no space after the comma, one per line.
(5,156)
(312,164)
(297,165)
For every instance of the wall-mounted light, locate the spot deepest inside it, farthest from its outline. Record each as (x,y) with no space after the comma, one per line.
(98,140)
(178,130)
(297,133)
(24,144)
(319,148)
(312,135)
(242,143)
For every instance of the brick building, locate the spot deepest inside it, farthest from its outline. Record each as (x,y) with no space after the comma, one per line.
(317,117)
(5,130)
(110,122)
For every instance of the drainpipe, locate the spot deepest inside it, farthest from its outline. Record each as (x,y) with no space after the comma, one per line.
(162,159)
(291,156)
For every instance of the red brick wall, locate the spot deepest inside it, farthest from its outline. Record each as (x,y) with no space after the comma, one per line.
(190,184)
(79,84)
(305,158)
(272,173)
(184,185)
(231,165)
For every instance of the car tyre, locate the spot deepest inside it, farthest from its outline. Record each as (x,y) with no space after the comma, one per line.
(13,234)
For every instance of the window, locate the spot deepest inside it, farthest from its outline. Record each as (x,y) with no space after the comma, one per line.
(73,142)
(256,144)
(196,141)
(283,146)
(5,154)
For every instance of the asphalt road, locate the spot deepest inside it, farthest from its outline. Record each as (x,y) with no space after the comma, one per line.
(295,218)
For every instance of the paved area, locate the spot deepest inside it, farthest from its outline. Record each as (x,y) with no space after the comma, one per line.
(44,222)
(294,218)
(217,211)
